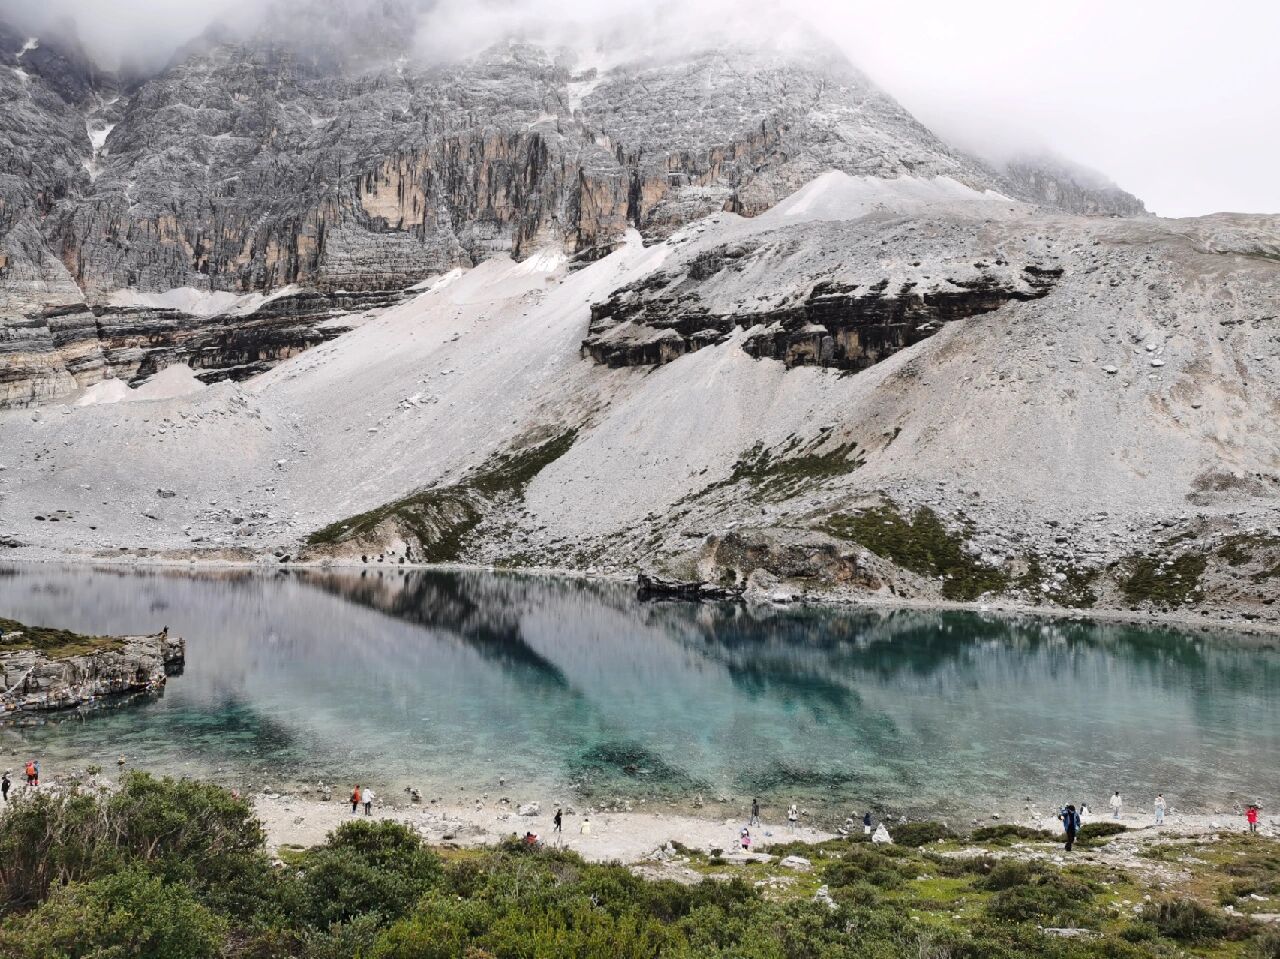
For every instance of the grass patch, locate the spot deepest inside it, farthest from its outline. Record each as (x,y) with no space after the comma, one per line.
(787,470)
(1008,833)
(54,643)
(923,544)
(1162,581)
(442,519)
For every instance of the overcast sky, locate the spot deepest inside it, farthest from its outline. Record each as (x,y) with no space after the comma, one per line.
(1177,101)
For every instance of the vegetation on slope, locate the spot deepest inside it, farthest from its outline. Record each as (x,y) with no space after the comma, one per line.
(54,643)
(441,519)
(177,870)
(923,544)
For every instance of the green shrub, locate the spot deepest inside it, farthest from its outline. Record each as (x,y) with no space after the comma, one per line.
(365,866)
(1030,892)
(920,833)
(1007,833)
(1266,945)
(126,914)
(875,865)
(1091,832)
(1187,920)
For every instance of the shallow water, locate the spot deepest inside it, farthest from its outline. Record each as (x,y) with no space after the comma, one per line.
(450,681)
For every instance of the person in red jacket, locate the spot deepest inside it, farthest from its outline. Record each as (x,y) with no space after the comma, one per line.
(355,798)
(1251,817)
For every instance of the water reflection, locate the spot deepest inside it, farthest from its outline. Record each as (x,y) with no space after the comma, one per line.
(453,680)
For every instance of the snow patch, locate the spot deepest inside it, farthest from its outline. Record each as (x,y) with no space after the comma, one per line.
(172,381)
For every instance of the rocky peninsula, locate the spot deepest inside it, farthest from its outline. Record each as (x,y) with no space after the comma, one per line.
(49,669)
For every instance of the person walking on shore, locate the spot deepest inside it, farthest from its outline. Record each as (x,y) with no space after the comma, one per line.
(793,816)
(1160,809)
(367,797)
(866,823)
(33,777)
(585,828)
(744,839)
(355,799)
(1070,819)
(1116,803)
(557,823)
(1251,817)
(1084,812)
(4,786)
(755,812)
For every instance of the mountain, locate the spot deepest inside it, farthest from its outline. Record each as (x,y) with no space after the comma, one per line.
(730,315)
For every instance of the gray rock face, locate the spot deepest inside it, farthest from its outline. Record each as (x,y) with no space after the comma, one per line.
(818,294)
(246,166)
(33,681)
(1068,186)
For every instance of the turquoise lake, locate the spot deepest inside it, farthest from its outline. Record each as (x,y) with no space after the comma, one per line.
(453,681)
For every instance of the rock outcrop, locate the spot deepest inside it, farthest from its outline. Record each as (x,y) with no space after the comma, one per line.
(35,680)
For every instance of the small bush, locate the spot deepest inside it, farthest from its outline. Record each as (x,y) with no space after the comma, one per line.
(126,914)
(1008,832)
(1093,831)
(1266,945)
(366,867)
(1187,920)
(920,833)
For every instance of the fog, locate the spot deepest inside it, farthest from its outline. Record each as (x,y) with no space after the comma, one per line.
(1175,102)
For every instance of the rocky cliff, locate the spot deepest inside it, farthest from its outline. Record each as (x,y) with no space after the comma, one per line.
(249,165)
(47,669)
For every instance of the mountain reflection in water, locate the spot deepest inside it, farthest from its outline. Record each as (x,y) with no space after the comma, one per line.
(451,680)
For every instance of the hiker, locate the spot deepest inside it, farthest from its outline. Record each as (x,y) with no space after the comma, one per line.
(1251,817)
(367,797)
(557,822)
(531,839)
(33,778)
(355,799)
(1160,809)
(866,823)
(4,786)
(1116,804)
(755,812)
(1070,824)
(1084,812)
(793,816)
(585,828)
(744,839)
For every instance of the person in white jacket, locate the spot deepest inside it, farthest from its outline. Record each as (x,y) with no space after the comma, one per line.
(1160,809)
(1116,804)
(366,797)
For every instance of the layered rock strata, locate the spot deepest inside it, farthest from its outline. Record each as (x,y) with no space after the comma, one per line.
(35,681)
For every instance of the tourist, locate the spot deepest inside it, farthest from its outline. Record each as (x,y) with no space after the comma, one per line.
(4,786)
(1070,824)
(1116,803)
(1084,812)
(531,839)
(866,823)
(793,816)
(1160,809)
(557,822)
(366,797)
(1251,817)
(33,778)
(355,799)
(744,839)
(585,828)
(755,812)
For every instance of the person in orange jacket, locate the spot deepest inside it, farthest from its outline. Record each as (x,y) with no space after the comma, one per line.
(355,798)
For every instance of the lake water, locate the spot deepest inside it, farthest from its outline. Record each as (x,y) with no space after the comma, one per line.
(452,680)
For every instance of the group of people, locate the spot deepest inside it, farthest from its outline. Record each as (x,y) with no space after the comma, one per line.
(362,797)
(32,771)
(1073,818)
